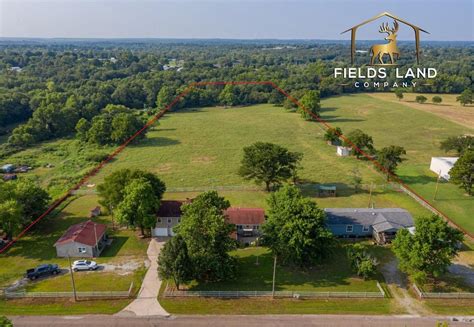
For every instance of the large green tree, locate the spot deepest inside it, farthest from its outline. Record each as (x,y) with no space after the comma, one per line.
(465,97)
(295,228)
(112,190)
(139,205)
(124,126)
(228,97)
(164,98)
(361,140)
(311,102)
(459,143)
(430,250)
(269,163)
(10,217)
(390,157)
(174,261)
(206,232)
(462,172)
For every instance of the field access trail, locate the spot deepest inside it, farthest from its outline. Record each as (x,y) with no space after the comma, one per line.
(396,282)
(146,303)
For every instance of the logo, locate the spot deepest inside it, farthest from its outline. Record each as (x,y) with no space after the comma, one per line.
(379,51)
(390,48)
(377,71)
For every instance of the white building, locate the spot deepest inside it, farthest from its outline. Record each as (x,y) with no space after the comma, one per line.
(343,151)
(442,165)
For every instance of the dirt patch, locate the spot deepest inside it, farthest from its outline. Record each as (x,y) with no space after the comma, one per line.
(121,269)
(203,160)
(163,168)
(458,114)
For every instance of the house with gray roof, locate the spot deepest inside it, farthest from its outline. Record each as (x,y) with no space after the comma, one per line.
(381,224)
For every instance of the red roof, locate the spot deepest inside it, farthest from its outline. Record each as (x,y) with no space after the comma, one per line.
(245,216)
(83,233)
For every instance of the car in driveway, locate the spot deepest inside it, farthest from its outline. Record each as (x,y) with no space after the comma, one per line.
(79,265)
(42,271)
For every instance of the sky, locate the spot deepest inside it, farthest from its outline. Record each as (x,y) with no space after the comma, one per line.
(447,20)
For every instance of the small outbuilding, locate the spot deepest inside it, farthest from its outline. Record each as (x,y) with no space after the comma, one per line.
(343,151)
(84,240)
(442,165)
(95,212)
(326,190)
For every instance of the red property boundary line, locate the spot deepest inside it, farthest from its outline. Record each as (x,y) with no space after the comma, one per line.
(95,170)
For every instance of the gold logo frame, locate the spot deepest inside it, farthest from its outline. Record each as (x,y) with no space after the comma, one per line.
(389,48)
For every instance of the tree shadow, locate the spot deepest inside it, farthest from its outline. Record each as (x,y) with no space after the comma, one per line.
(336,119)
(420,179)
(113,249)
(156,141)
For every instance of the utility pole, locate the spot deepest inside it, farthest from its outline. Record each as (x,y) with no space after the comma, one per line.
(437,184)
(72,278)
(256,245)
(274,273)
(96,243)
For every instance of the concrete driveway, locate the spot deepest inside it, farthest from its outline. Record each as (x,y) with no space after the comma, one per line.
(146,303)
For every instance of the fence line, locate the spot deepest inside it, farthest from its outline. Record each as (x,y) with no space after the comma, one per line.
(98,294)
(442,295)
(280,294)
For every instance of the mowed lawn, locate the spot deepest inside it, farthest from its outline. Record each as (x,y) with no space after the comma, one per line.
(334,275)
(37,247)
(420,133)
(198,149)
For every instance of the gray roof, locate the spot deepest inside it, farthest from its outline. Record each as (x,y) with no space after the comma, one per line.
(382,220)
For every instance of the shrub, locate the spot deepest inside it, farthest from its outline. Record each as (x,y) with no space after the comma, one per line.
(420,99)
(437,99)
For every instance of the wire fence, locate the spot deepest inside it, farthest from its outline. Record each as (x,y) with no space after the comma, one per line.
(280,294)
(98,294)
(442,295)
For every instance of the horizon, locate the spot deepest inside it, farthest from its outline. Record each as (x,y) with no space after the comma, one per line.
(229,19)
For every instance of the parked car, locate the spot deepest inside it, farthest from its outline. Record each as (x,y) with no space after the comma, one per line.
(84,265)
(42,270)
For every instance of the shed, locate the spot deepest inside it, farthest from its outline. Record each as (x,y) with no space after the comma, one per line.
(95,212)
(442,165)
(327,190)
(343,151)
(86,239)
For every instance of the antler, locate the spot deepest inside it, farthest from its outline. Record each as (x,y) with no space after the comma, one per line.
(395,27)
(385,29)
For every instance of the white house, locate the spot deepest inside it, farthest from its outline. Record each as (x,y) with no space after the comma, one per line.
(442,165)
(343,151)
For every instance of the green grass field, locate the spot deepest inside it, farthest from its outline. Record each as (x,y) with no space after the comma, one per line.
(210,306)
(419,133)
(199,149)
(335,275)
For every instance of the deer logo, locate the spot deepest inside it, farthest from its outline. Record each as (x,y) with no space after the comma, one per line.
(378,51)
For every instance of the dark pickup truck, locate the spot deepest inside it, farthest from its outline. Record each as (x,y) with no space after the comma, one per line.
(42,270)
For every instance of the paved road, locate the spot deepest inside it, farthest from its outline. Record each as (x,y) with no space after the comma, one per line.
(146,303)
(234,321)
